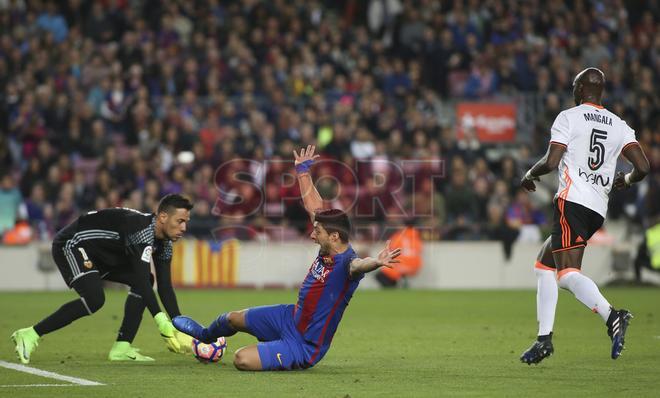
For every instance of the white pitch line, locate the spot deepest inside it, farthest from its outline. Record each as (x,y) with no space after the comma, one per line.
(38,385)
(45,373)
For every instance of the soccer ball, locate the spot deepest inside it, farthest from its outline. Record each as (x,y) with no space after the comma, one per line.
(207,353)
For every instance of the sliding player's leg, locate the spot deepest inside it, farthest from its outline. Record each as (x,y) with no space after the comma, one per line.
(226,324)
(280,346)
(285,354)
(247,358)
(265,323)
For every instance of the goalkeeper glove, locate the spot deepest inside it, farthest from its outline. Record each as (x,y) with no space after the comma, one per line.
(185,341)
(167,332)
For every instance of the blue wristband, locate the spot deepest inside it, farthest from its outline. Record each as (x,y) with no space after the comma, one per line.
(304,166)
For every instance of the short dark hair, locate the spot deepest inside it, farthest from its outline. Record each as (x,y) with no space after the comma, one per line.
(335,220)
(173,201)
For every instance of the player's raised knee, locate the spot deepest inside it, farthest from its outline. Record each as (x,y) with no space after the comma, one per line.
(247,358)
(241,360)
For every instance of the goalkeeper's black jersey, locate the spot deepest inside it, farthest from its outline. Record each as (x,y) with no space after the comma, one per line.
(115,238)
(123,241)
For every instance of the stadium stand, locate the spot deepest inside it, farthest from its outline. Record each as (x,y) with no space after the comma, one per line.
(102,103)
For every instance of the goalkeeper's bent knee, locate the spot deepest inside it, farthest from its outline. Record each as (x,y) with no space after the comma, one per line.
(93,301)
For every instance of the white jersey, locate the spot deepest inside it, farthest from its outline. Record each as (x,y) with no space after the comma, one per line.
(594,137)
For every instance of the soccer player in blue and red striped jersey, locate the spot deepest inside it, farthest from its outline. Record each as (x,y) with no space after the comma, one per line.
(298,336)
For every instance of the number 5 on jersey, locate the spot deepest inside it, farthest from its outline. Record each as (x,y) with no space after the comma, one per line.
(597,149)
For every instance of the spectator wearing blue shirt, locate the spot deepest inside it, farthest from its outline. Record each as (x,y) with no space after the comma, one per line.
(10,203)
(53,22)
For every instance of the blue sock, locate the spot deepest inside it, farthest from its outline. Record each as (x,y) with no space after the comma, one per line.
(219,327)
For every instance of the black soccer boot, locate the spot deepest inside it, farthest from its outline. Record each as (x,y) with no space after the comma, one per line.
(541,349)
(617,324)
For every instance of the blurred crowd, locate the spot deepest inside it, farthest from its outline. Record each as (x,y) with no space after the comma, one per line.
(117,102)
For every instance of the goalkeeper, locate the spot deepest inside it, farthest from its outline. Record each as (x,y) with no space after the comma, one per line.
(117,245)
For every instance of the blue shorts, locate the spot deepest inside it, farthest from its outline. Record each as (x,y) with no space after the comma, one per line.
(281,346)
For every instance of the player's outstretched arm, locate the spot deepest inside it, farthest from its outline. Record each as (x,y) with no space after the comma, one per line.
(167,332)
(165,288)
(303,161)
(168,298)
(142,284)
(546,164)
(143,287)
(386,258)
(635,155)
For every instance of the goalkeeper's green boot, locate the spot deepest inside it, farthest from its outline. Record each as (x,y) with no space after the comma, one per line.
(26,341)
(123,351)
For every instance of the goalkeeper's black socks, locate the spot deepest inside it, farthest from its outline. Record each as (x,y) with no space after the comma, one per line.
(90,290)
(133,310)
(66,314)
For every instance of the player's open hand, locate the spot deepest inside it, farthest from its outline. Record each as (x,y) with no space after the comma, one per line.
(387,257)
(529,184)
(620,181)
(167,332)
(305,154)
(185,342)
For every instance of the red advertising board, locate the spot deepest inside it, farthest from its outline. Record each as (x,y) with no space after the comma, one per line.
(491,122)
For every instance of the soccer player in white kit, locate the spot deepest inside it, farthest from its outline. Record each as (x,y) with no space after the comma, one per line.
(585,142)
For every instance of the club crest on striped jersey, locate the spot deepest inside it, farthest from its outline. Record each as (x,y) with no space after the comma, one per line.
(319,270)
(329,261)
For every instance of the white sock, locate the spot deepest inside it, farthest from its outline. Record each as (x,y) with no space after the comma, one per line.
(586,291)
(546,299)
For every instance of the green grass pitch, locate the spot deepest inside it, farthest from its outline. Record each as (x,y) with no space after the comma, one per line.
(390,343)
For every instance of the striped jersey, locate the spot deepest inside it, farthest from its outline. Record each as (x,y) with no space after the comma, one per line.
(113,237)
(322,299)
(593,137)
